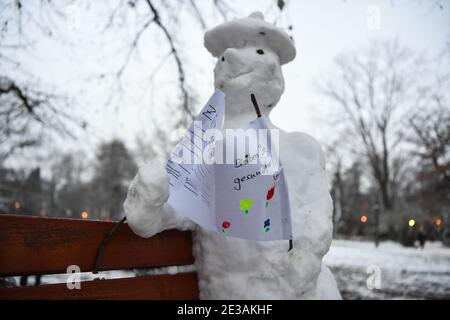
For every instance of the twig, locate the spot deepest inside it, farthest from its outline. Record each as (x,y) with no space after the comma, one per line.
(255,105)
(105,241)
(133,47)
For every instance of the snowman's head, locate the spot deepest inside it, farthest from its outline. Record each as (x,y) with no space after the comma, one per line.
(250,53)
(250,69)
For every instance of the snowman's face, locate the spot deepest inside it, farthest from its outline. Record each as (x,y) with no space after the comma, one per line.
(251,69)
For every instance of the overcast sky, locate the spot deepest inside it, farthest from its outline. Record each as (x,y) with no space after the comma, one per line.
(321,30)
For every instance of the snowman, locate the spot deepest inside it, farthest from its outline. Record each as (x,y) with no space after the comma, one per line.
(250,53)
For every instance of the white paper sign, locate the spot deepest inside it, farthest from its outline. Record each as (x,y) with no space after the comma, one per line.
(244,197)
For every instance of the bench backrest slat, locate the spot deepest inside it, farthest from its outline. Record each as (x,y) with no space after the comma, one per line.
(35,245)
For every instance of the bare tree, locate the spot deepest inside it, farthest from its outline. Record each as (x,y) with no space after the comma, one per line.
(430,136)
(28,109)
(114,170)
(371,91)
(28,115)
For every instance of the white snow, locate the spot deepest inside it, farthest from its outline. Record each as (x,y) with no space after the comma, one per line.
(406,273)
(114,274)
(251,31)
(146,202)
(83,276)
(230,268)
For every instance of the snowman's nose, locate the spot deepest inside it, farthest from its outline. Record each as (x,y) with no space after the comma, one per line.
(233,60)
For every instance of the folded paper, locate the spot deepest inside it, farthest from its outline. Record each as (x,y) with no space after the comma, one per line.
(230,182)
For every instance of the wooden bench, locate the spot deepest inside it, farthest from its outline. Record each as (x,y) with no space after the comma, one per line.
(35,245)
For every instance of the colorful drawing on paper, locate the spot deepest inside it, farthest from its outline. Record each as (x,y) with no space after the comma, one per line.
(270,195)
(267,225)
(226,226)
(246,205)
(230,199)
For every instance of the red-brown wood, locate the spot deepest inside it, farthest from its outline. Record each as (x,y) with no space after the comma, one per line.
(164,287)
(35,245)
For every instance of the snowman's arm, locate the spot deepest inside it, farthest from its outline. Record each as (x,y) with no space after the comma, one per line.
(311,166)
(146,207)
(316,204)
(307,147)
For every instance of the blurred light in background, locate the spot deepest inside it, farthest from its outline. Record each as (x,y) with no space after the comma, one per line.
(363,219)
(84,215)
(412,222)
(438,222)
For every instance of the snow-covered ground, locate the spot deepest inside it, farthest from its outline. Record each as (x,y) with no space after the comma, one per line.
(405,273)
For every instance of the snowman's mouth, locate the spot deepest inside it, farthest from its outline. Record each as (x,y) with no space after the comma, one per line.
(241,74)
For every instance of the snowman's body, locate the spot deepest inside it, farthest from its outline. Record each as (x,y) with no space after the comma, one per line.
(230,268)
(239,269)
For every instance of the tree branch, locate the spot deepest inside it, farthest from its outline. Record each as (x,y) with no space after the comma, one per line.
(181,73)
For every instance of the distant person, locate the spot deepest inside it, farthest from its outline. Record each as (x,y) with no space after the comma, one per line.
(421,237)
(446,237)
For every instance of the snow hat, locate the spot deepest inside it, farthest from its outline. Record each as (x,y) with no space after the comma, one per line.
(237,33)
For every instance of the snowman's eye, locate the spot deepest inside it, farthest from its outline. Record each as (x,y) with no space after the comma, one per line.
(259,51)
(223,59)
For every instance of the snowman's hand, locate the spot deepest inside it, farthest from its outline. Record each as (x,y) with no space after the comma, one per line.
(146,196)
(146,207)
